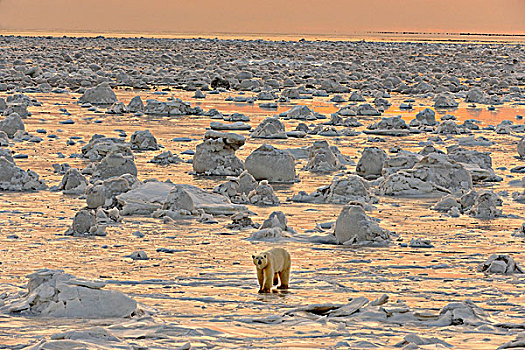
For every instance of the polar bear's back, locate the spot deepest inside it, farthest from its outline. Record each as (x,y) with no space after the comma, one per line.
(279,259)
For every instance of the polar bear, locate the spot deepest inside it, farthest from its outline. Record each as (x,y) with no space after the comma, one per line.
(270,264)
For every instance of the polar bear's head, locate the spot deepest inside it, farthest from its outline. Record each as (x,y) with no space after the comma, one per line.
(260,260)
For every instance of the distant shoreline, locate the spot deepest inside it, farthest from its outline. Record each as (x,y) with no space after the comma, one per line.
(379,36)
(446,33)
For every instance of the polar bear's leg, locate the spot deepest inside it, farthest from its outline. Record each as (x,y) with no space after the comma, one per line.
(284,276)
(260,278)
(268,279)
(276,279)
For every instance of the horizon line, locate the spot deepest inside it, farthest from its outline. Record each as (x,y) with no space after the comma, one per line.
(124,32)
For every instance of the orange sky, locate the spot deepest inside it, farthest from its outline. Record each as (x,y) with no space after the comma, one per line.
(264,16)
